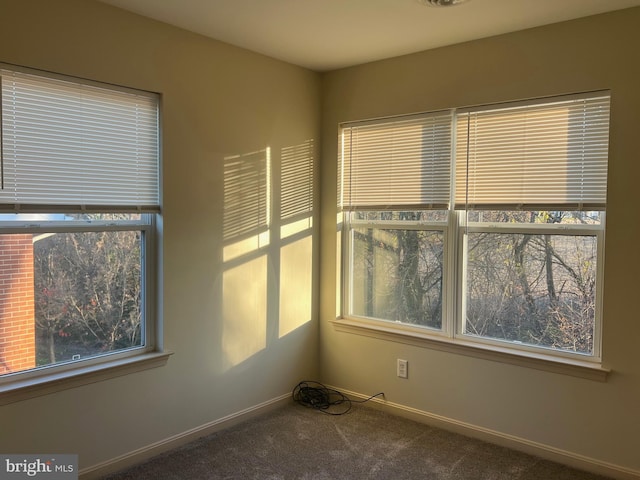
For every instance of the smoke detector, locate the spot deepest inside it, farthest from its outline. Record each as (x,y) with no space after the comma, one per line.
(442,3)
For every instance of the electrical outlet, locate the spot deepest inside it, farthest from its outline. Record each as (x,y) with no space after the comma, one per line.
(403,368)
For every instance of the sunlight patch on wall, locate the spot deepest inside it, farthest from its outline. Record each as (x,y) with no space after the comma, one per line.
(245,246)
(298,226)
(296,214)
(295,285)
(244,291)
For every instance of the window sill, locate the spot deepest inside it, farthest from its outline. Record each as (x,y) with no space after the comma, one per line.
(55,382)
(575,368)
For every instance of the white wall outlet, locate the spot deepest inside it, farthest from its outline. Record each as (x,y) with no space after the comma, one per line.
(403,368)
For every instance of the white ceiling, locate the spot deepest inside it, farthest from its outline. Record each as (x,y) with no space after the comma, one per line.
(328,34)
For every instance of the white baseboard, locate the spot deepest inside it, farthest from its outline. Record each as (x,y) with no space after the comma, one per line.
(510,441)
(175,441)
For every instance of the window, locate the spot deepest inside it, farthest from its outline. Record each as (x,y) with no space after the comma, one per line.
(79,194)
(480,226)
(396,192)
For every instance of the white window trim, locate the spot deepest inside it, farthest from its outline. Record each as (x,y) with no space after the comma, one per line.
(26,388)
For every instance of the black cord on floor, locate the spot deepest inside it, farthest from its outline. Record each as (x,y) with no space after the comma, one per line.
(319,397)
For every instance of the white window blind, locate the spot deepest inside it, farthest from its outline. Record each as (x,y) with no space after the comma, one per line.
(70,146)
(397,164)
(542,155)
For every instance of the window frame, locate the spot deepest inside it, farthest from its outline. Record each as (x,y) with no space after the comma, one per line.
(452,337)
(21,385)
(41,380)
(427,226)
(569,230)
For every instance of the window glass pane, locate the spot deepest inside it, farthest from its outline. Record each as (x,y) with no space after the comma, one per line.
(68,296)
(553,217)
(532,289)
(397,275)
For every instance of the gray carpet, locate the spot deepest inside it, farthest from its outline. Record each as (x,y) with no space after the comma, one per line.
(295,442)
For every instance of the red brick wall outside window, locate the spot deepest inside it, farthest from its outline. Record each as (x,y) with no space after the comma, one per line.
(17,313)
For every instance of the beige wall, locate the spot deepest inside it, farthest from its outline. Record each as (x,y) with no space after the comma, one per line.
(600,421)
(231,351)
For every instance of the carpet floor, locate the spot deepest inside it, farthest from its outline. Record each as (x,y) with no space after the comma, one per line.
(294,442)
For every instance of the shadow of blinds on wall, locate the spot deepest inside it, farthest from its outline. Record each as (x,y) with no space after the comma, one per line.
(246,195)
(296,190)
